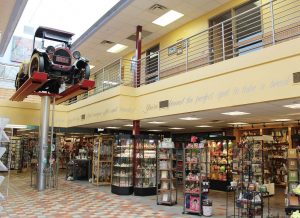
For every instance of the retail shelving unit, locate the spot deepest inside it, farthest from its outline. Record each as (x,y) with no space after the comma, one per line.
(277,154)
(145,166)
(221,161)
(166,179)
(102,160)
(292,189)
(179,163)
(195,177)
(122,182)
(15,148)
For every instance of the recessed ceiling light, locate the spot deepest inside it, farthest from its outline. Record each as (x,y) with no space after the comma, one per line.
(117,48)
(156,122)
(100,129)
(13,126)
(112,127)
(235,113)
(91,66)
(154,130)
(176,128)
(238,123)
(292,106)
(189,118)
(130,125)
(281,120)
(204,126)
(168,18)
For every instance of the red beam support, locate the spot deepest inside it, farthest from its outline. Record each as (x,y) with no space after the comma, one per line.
(138,55)
(37,80)
(135,132)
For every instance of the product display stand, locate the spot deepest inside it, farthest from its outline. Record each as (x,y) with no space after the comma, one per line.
(221,161)
(179,164)
(102,160)
(293,187)
(145,175)
(195,180)
(166,180)
(123,166)
(16,151)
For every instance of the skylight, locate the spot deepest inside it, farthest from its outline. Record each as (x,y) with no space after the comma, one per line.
(67,15)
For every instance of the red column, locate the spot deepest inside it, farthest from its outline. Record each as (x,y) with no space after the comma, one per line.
(138,55)
(135,133)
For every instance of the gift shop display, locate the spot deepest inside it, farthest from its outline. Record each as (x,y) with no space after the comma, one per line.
(293,183)
(122,182)
(195,179)
(145,166)
(102,160)
(16,153)
(221,161)
(166,178)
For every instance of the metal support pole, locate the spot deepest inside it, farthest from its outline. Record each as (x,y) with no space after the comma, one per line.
(223,41)
(158,65)
(272,22)
(43,142)
(187,55)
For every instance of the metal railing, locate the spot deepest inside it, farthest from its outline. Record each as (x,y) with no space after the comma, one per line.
(261,26)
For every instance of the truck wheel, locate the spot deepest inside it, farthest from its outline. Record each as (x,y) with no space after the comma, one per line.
(36,64)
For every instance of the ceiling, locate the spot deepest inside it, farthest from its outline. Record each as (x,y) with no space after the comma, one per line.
(6,9)
(260,113)
(137,12)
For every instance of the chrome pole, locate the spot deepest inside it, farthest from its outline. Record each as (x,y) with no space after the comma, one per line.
(272,21)
(223,41)
(43,142)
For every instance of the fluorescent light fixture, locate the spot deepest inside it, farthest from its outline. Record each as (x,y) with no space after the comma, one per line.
(176,128)
(130,125)
(117,48)
(238,123)
(154,130)
(110,83)
(91,66)
(235,113)
(189,118)
(204,126)
(100,129)
(292,106)
(168,18)
(281,120)
(156,122)
(13,126)
(112,127)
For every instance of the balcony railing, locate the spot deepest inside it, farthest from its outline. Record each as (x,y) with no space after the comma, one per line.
(249,31)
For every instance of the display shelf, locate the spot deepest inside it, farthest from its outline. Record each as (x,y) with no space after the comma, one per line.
(293,181)
(166,178)
(221,161)
(103,160)
(145,166)
(195,177)
(15,147)
(123,166)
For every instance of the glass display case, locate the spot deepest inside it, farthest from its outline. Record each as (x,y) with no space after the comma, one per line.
(122,182)
(102,160)
(145,166)
(221,161)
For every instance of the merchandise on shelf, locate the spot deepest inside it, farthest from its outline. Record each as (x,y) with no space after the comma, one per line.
(196,181)
(221,149)
(145,166)
(15,148)
(166,179)
(122,166)
(102,160)
(293,181)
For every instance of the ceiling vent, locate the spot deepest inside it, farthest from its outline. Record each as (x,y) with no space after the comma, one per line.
(157,7)
(145,33)
(106,42)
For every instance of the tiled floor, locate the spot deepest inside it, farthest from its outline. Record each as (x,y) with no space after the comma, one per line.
(81,199)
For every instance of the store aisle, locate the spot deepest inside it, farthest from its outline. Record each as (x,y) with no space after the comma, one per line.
(81,199)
